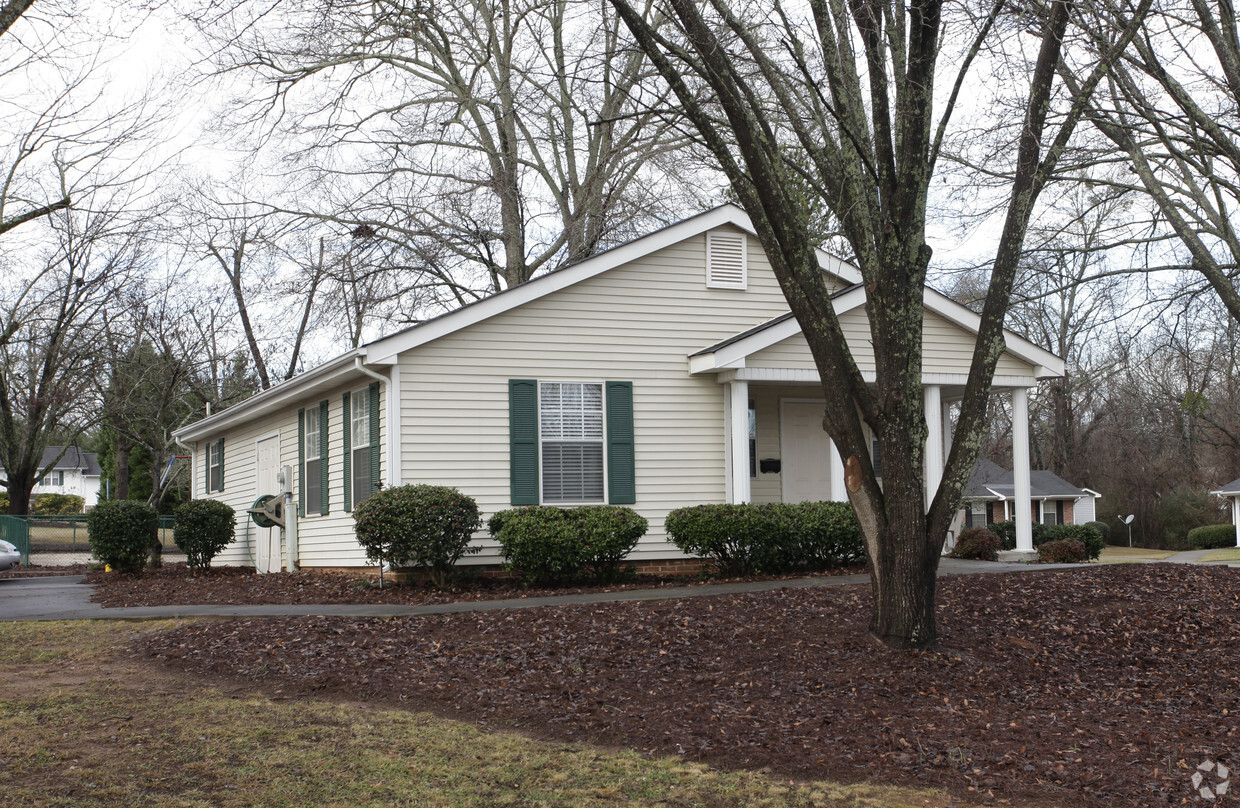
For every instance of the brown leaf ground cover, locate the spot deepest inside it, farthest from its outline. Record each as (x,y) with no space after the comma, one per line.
(1098,686)
(176,585)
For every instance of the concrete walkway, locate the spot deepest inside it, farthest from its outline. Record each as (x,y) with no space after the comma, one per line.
(67,598)
(1194,557)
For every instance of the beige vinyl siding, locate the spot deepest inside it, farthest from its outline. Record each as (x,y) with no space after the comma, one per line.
(324,541)
(637,323)
(947,348)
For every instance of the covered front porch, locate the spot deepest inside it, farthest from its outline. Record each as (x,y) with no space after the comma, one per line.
(777,450)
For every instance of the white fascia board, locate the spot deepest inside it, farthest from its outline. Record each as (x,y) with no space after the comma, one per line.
(327,374)
(1092,493)
(1225,493)
(1045,364)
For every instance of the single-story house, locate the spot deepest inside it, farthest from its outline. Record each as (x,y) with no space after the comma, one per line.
(1231,492)
(990,496)
(76,473)
(664,372)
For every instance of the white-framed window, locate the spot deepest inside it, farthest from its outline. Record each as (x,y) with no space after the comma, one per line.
(571,435)
(313,476)
(359,444)
(726,261)
(53,479)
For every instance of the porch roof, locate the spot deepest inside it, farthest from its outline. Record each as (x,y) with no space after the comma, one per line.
(731,353)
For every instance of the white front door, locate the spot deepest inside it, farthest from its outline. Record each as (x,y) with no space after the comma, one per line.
(806,451)
(267,539)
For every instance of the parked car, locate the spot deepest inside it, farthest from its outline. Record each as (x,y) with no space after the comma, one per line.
(10,556)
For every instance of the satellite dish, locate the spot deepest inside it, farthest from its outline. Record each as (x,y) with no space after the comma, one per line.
(1128,519)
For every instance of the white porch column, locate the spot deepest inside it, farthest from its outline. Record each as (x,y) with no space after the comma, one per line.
(1020,470)
(933,402)
(838,492)
(738,441)
(395,474)
(1235,517)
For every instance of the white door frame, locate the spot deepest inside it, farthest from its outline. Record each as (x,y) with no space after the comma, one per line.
(783,442)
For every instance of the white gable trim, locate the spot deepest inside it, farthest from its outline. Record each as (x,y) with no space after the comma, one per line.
(734,355)
(381,350)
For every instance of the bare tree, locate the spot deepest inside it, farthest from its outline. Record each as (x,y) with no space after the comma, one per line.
(492,138)
(851,88)
(1171,108)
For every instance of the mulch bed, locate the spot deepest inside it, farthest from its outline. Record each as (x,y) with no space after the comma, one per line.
(1098,686)
(176,585)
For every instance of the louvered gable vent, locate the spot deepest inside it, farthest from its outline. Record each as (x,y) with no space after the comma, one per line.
(725,260)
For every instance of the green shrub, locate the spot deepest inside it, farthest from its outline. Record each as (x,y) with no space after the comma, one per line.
(203,528)
(1006,531)
(608,534)
(122,532)
(1104,530)
(428,527)
(769,539)
(1212,537)
(1062,551)
(57,505)
(550,545)
(976,543)
(1089,536)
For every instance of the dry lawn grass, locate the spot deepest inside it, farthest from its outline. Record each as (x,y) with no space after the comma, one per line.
(83,724)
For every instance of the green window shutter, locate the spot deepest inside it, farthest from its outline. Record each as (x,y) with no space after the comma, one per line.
(301,462)
(374,434)
(523,440)
(348,454)
(621,469)
(221,488)
(324,439)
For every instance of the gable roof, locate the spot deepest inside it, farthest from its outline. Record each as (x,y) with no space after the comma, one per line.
(991,481)
(74,459)
(383,351)
(1232,489)
(734,349)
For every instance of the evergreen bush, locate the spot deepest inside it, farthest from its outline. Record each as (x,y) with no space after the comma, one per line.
(57,505)
(203,528)
(121,533)
(550,545)
(770,538)
(427,527)
(1062,551)
(977,544)
(1212,537)
(1104,530)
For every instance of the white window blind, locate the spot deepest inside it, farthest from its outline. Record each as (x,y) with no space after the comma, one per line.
(571,432)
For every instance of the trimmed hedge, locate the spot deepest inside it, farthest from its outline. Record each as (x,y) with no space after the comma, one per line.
(121,533)
(1212,537)
(202,528)
(1062,551)
(770,538)
(550,545)
(57,504)
(428,527)
(1086,534)
(976,543)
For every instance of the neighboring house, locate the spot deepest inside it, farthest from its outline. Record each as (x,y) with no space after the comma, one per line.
(76,473)
(1231,492)
(662,373)
(990,496)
